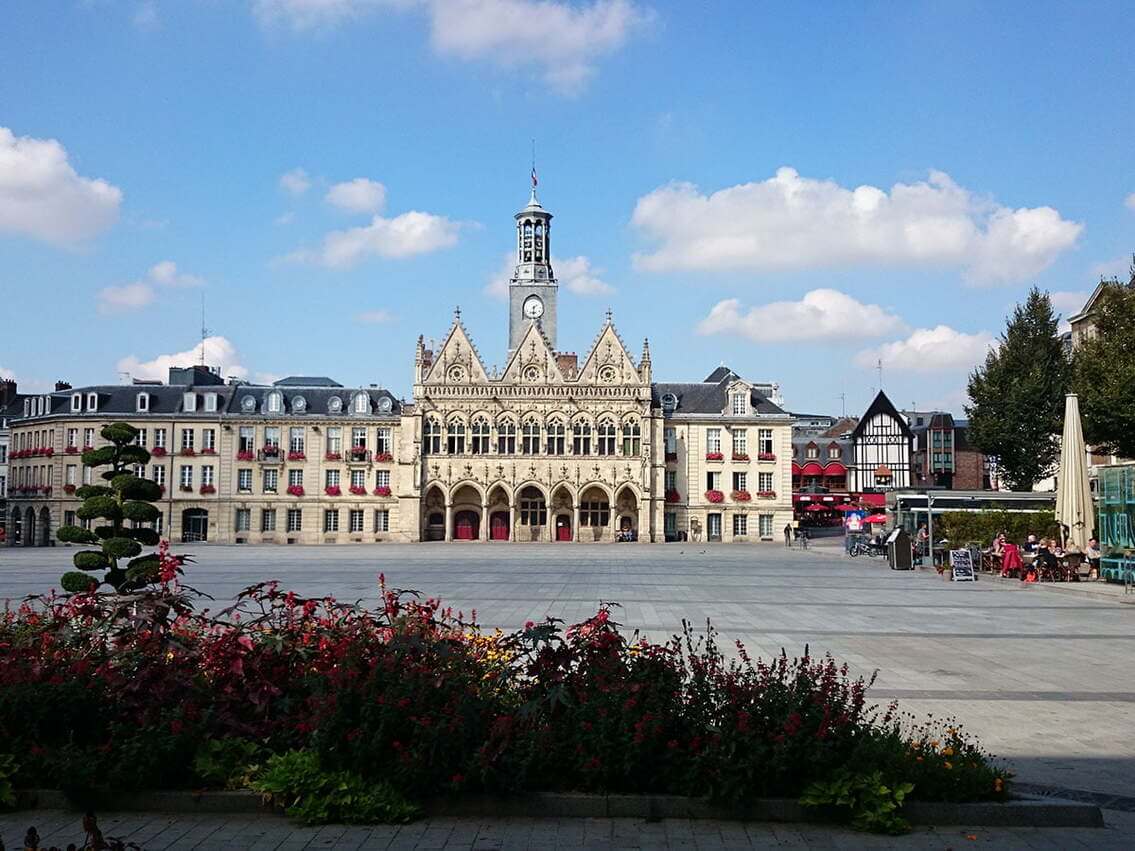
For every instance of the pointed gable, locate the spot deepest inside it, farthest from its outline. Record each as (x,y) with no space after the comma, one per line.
(882,405)
(609,362)
(458,361)
(533,361)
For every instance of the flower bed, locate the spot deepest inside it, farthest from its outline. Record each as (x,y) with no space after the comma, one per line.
(295,490)
(714,456)
(100,694)
(714,496)
(741,496)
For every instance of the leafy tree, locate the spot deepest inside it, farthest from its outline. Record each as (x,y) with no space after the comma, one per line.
(124,497)
(1018,395)
(1104,372)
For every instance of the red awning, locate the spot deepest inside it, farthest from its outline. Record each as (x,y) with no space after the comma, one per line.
(834,468)
(874,499)
(812,468)
(795,469)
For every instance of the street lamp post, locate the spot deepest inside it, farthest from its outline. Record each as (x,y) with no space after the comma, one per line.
(930,525)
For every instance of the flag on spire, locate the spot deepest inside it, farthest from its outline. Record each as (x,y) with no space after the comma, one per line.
(534,180)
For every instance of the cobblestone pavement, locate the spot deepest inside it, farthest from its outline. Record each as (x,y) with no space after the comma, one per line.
(1043,676)
(156,831)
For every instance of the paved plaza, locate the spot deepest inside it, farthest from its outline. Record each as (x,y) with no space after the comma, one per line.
(1042,674)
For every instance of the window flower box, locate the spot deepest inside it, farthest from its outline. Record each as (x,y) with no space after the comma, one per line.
(671,456)
(245,455)
(714,456)
(71,450)
(186,452)
(359,453)
(358,490)
(766,456)
(185,488)
(766,494)
(208,451)
(673,496)
(383,457)
(68,489)
(295,490)
(296,456)
(382,490)
(271,451)
(157,451)
(714,496)
(741,496)
(333,490)
(740,456)
(333,456)
(208,489)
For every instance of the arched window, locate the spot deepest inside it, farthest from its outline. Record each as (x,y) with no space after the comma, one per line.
(362,403)
(480,444)
(533,508)
(632,439)
(431,437)
(506,437)
(606,437)
(275,402)
(539,244)
(556,437)
(530,437)
(527,243)
(581,438)
(455,439)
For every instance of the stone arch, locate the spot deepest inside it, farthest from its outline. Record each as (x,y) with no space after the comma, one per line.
(531,512)
(29,527)
(561,512)
(465,503)
(595,504)
(16,528)
(433,513)
(626,507)
(44,527)
(499,501)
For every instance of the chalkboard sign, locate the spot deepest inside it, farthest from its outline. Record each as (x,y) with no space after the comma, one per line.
(961,566)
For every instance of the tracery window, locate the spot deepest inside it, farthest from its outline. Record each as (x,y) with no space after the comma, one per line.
(581,438)
(506,437)
(632,439)
(530,437)
(556,437)
(431,437)
(480,444)
(606,437)
(455,439)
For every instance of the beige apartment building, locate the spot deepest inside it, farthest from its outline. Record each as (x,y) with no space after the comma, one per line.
(551,448)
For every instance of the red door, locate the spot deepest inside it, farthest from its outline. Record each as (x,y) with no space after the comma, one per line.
(498,526)
(465,526)
(563,528)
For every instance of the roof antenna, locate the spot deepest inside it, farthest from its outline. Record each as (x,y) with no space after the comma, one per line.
(534,180)
(204,330)
(879,366)
(842,405)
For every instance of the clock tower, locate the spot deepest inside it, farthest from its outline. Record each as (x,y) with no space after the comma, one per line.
(532,289)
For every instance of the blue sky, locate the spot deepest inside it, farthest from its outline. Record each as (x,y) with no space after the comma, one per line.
(797,190)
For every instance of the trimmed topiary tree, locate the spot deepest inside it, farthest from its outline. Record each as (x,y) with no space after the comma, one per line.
(124,497)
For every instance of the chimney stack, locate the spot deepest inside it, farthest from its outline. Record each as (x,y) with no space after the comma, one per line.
(61,385)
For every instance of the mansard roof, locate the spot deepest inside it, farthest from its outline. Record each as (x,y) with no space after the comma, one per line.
(709,396)
(307,381)
(317,401)
(882,405)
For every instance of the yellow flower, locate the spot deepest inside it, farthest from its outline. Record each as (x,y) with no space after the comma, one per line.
(947,752)
(934,744)
(948,765)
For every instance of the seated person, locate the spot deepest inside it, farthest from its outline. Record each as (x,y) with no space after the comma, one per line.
(1045,555)
(1030,544)
(1093,553)
(998,548)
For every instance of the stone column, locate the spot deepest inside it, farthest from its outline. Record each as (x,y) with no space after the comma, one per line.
(448,521)
(512,521)
(645,534)
(613,522)
(575,521)
(484,521)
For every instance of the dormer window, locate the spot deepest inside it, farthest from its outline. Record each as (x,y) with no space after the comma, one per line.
(740,405)
(76,403)
(275,402)
(142,404)
(210,402)
(362,403)
(92,401)
(669,403)
(189,402)
(334,404)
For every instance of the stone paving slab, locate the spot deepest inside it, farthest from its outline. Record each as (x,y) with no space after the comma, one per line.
(1041,674)
(174,832)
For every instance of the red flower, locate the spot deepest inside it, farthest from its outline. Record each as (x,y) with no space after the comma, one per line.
(741,496)
(673,496)
(295,490)
(245,455)
(332,490)
(358,490)
(740,456)
(158,451)
(714,496)
(382,490)
(333,456)
(714,456)
(766,456)
(296,456)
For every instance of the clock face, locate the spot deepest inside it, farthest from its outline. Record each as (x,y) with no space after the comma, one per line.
(533,307)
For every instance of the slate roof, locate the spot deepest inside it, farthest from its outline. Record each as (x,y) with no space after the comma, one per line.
(708,397)
(306,381)
(317,401)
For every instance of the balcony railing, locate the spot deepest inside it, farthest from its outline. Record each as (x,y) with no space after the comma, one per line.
(271,455)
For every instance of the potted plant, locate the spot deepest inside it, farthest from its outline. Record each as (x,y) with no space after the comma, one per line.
(187,451)
(740,456)
(296,456)
(766,494)
(714,496)
(332,456)
(245,455)
(714,456)
(157,451)
(384,457)
(332,490)
(741,496)
(295,490)
(766,456)
(382,490)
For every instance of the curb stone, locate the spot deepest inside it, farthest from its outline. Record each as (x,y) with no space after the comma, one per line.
(1018,812)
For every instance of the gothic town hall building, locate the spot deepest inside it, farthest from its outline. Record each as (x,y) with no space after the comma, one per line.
(553,447)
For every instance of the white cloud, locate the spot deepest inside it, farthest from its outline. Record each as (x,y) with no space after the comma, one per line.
(497,287)
(577,275)
(140,293)
(219,352)
(820,315)
(41,195)
(1069,302)
(125,298)
(375,317)
(930,350)
(1129,201)
(406,235)
(562,39)
(791,222)
(295,182)
(357,196)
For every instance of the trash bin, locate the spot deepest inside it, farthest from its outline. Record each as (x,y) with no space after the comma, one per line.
(898,550)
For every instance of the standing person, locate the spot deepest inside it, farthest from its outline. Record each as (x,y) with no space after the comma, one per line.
(804,539)
(922,539)
(788,535)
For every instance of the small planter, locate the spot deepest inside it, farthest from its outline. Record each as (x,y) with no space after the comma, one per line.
(186,452)
(207,489)
(714,456)
(384,457)
(741,496)
(295,490)
(156,452)
(333,456)
(766,494)
(333,490)
(714,496)
(382,491)
(766,456)
(246,455)
(740,456)
(72,450)
(358,490)
(296,456)
(68,489)
(208,451)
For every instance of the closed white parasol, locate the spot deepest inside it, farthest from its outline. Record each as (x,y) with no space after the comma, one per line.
(1073,493)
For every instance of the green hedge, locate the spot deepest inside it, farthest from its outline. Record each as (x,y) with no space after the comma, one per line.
(965,527)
